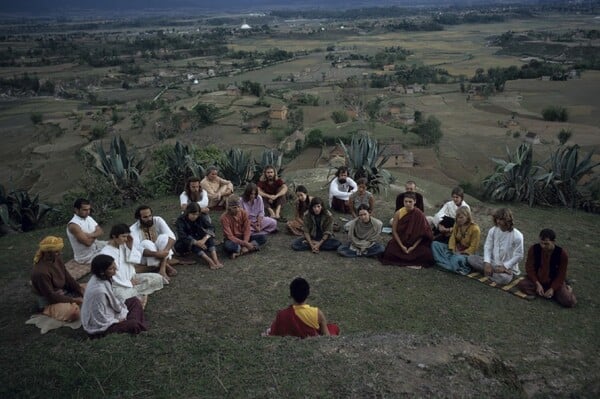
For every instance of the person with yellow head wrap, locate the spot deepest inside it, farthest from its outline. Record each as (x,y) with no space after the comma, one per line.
(59,295)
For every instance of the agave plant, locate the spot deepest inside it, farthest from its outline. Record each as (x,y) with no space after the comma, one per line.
(181,165)
(237,166)
(364,159)
(120,167)
(18,211)
(565,172)
(513,179)
(269,157)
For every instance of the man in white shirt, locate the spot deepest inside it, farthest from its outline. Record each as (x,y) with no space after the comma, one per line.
(503,250)
(340,189)
(443,221)
(83,233)
(195,193)
(154,239)
(126,282)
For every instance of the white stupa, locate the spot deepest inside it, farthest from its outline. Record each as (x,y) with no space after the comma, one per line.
(245,26)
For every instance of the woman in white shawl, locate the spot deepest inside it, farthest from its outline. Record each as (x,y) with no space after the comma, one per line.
(126,282)
(102,312)
(363,233)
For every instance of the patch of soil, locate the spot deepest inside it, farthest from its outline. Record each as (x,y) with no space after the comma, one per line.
(421,366)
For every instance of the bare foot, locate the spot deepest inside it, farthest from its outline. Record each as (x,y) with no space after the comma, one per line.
(144,300)
(166,280)
(171,271)
(234,255)
(414,267)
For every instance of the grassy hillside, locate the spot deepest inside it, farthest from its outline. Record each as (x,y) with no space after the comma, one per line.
(404,332)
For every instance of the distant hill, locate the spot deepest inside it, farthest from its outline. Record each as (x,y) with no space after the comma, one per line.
(38,7)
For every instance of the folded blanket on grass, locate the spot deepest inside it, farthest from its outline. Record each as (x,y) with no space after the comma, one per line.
(77,270)
(510,287)
(45,323)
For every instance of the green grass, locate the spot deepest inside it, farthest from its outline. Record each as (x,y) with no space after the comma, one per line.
(204,338)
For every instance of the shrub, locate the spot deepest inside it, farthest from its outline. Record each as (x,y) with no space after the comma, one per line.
(339,116)
(18,211)
(564,135)
(555,114)
(37,118)
(314,138)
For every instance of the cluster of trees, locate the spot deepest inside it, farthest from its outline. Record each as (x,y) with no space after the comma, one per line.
(27,83)
(499,75)
(410,74)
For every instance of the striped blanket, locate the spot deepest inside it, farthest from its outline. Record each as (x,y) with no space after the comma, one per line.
(510,287)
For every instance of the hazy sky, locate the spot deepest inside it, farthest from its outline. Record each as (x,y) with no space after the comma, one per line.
(58,6)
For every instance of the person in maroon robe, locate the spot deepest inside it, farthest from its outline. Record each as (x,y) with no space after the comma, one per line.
(300,319)
(412,236)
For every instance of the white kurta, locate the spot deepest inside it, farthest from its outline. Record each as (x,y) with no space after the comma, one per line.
(184,200)
(504,248)
(122,281)
(101,308)
(341,190)
(82,253)
(449,209)
(163,232)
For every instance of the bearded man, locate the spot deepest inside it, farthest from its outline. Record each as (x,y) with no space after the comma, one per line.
(154,239)
(272,189)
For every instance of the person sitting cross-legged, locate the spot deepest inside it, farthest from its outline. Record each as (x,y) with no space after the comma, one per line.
(503,250)
(253,204)
(217,188)
(273,191)
(340,189)
(154,239)
(194,193)
(318,230)
(300,319)
(411,242)
(127,282)
(192,236)
(59,295)
(546,267)
(464,241)
(301,206)
(102,311)
(363,233)
(236,229)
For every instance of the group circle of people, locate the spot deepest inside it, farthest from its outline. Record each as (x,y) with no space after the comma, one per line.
(138,260)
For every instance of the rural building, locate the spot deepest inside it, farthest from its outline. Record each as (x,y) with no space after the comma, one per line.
(398,157)
(395,110)
(289,143)
(278,112)
(389,67)
(352,114)
(531,138)
(407,119)
(414,88)
(233,90)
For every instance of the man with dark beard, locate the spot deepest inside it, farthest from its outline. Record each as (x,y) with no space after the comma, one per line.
(340,190)
(154,239)
(194,193)
(272,189)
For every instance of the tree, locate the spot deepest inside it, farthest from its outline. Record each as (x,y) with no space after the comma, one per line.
(429,131)
(314,138)
(555,114)
(207,113)
(296,118)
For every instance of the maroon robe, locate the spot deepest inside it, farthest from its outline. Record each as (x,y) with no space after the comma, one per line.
(287,323)
(410,228)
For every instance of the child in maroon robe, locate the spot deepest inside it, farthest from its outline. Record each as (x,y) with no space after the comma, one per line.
(300,319)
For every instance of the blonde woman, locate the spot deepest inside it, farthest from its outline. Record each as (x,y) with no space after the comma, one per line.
(464,241)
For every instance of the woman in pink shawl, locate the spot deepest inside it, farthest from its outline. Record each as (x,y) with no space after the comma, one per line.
(412,236)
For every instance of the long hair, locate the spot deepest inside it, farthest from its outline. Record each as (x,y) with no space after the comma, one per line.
(503,214)
(263,177)
(250,188)
(463,210)
(302,206)
(193,197)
